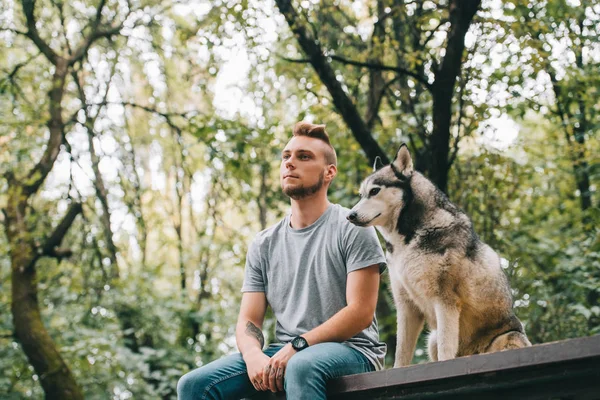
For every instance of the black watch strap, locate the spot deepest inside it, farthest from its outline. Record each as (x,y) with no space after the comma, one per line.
(299,343)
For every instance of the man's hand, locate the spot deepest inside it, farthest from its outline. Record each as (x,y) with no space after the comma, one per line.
(256,362)
(275,370)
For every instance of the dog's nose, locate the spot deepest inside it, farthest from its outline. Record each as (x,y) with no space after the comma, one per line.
(352,216)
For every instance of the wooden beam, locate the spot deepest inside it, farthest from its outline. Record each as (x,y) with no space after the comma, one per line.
(566,368)
(569,369)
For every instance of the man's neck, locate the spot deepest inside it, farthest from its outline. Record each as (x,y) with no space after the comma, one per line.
(306,211)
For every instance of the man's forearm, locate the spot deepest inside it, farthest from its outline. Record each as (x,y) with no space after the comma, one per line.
(346,323)
(249,337)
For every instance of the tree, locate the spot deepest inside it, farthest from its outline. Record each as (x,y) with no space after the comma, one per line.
(560,37)
(433,70)
(56,378)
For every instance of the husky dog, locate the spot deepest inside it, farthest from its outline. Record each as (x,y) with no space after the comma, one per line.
(441,272)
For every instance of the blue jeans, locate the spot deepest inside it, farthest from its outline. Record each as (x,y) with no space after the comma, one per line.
(305,377)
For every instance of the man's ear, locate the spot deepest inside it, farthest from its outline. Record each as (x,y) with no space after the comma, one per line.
(331,172)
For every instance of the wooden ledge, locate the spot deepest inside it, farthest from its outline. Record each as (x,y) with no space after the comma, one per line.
(569,368)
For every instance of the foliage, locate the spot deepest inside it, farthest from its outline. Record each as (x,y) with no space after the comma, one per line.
(193,103)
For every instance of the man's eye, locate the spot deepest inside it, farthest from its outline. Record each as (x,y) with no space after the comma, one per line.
(304,157)
(286,156)
(373,192)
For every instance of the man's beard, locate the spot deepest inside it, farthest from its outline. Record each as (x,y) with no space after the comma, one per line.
(301,192)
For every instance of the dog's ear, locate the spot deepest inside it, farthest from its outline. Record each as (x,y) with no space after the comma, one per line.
(378,164)
(403,162)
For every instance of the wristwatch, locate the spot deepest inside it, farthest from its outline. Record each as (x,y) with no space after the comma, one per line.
(299,343)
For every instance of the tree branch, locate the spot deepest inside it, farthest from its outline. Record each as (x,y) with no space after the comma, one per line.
(11,75)
(380,67)
(33,34)
(96,33)
(432,32)
(294,60)
(461,15)
(49,248)
(341,100)
(18,32)
(56,126)
(82,49)
(168,116)
(61,14)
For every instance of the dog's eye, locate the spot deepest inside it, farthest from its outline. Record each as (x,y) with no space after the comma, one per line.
(373,191)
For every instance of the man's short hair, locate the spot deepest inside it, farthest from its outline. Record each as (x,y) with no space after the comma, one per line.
(318,132)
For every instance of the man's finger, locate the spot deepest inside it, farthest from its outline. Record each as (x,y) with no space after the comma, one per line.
(265,372)
(258,381)
(265,376)
(279,378)
(264,385)
(272,379)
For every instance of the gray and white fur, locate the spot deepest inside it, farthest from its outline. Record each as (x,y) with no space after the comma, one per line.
(440,271)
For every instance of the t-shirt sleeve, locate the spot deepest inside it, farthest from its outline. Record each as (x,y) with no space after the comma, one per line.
(253,272)
(362,249)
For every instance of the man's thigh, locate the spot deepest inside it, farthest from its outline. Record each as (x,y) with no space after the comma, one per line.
(226,378)
(330,360)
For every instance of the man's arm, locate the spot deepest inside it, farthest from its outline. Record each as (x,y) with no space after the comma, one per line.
(362,287)
(249,337)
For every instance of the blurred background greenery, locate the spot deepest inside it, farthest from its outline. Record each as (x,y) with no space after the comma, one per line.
(139,153)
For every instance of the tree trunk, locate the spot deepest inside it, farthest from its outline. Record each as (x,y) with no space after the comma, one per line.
(461,15)
(341,99)
(376,81)
(55,376)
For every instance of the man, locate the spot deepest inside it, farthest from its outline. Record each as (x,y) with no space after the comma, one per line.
(319,274)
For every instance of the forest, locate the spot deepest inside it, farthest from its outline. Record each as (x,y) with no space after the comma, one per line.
(140,143)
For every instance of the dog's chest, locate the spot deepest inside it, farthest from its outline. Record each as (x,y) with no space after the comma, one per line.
(408,265)
(416,274)
(410,274)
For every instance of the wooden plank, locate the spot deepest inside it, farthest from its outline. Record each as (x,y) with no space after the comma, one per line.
(568,369)
(570,366)
(572,381)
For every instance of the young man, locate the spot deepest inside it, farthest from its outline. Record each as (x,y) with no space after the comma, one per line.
(319,274)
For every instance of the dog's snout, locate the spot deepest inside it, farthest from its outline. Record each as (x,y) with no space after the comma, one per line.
(352,216)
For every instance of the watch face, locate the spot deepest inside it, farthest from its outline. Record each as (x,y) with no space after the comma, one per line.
(299,343)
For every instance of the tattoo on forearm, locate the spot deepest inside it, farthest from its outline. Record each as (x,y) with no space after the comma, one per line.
(253,331)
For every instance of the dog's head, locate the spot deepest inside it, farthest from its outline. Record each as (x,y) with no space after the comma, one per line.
(383,193)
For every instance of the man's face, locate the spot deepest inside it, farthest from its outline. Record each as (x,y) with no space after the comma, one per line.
(303,170)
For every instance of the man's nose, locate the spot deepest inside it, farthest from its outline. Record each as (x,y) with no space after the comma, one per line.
(352,216)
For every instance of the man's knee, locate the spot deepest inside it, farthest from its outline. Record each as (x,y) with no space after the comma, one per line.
(191,385)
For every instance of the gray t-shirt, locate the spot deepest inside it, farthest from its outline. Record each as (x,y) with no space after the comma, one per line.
(303,274)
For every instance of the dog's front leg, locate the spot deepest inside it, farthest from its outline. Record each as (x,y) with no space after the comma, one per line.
(410,324)
(447,317)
